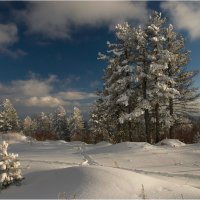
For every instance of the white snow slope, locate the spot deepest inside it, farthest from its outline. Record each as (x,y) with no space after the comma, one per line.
(61,170)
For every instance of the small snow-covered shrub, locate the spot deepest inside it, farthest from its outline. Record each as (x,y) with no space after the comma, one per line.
(10,171)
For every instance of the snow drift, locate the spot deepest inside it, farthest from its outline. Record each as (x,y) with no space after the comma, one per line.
(97,182)
(171,143)
(57,169)
(121,147)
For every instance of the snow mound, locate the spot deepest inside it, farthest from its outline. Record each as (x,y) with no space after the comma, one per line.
(95,182)
(132,145)
(92,148)
(61,142)
(54,142)
(13,137)
(122,147)
(171,143)
(77,143)
(103,143)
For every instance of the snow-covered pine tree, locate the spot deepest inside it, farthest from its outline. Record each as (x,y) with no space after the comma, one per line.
(161,86)
(2,122)
(98,122)
(29,127)
(119,89)
(43,127)
(59,123)
(127,80)
(161,74)
(8,117)
(149,73)
(159,91)
(10,171)
(141,77)
(177,58)
(76,125)
(44,122)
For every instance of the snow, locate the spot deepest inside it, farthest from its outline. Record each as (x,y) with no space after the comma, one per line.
(13,137)
(123,99)
(55,169)
(103,143)
(171,143)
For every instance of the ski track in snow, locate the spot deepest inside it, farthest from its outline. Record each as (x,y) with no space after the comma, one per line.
(167,174)
(88,160)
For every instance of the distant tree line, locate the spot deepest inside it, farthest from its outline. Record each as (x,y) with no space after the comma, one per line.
(59,126)
(53,126)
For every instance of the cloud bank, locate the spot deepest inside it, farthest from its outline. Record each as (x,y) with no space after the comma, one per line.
(8,34)
(185,15)
(44,94)
(8,37)
(58,19)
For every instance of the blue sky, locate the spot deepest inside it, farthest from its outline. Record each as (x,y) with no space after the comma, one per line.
(48,50)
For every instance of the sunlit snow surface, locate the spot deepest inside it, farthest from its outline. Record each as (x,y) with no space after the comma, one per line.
(58,169)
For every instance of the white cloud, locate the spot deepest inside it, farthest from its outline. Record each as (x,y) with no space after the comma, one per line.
(31,87)
(55,19)
(46,101)
(40,94)
(35,86)
(8,34)
(185,16)
(76,95)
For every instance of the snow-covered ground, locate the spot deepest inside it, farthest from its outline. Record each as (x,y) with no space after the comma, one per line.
(58,169)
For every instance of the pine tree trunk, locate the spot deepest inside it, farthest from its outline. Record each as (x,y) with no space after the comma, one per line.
(171,110)
(171,104)
(129,126)
(157,123)
(146,118)
(130,132)
(157,119)
(129,107)
(146,113)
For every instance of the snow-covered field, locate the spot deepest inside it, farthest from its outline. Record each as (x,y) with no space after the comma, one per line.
(57,169)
